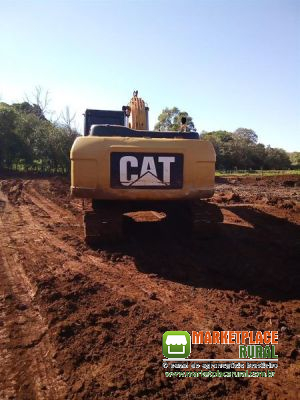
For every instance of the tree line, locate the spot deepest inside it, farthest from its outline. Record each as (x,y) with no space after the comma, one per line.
(31,142)
(240,150)
(235,150)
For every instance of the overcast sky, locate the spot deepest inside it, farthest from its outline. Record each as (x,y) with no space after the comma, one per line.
(228,63)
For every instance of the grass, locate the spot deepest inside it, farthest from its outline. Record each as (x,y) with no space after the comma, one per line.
(258,172)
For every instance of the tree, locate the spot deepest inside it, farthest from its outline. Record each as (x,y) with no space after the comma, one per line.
(8,138)
(170,120)
(40,100)
(222,142)
(247,134)
(67,119)
(276,159)
(295,158)
(241,150)
(29,140)
(28,108)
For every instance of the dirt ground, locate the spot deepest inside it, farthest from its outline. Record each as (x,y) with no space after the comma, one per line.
(82,323)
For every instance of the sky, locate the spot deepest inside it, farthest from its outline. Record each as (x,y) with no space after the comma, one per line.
(228,63)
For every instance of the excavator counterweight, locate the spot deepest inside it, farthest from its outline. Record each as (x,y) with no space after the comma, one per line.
(119,163)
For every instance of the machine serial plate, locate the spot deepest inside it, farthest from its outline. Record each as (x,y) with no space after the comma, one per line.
(146,170)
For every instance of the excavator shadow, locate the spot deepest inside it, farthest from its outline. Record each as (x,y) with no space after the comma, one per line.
(262,258)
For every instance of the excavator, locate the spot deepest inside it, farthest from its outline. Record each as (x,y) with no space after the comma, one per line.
(123,167)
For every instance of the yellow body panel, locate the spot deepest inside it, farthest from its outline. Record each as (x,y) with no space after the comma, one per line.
(90,167)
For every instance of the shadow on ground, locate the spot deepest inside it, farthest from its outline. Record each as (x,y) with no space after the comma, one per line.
(264,260)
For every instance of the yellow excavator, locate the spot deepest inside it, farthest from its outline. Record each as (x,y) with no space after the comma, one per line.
(123,167)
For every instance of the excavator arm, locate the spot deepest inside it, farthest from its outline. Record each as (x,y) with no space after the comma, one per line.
(137,113)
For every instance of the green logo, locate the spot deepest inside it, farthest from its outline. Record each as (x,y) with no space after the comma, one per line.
(176,344)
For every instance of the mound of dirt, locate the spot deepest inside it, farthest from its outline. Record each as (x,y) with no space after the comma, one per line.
(13,189)
(227,197)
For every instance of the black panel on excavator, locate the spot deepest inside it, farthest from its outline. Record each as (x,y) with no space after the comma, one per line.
(95,117)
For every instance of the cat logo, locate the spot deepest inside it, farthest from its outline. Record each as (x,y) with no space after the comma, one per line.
(146,170)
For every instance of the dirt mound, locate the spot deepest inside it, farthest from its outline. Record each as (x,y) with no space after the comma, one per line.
(13,189)
(280,191)
(291,183)
(226,197)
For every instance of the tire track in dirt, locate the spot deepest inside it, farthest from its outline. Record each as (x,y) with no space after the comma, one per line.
(162,291)
(35,227)
(26,366)
(115,274)
(126,280)
(137,286)
(56,213)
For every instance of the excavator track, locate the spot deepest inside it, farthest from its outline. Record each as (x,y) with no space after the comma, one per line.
(105,224)
(205,219)
(198,218)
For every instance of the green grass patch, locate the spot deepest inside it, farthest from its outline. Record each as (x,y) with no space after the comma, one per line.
(258,172)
